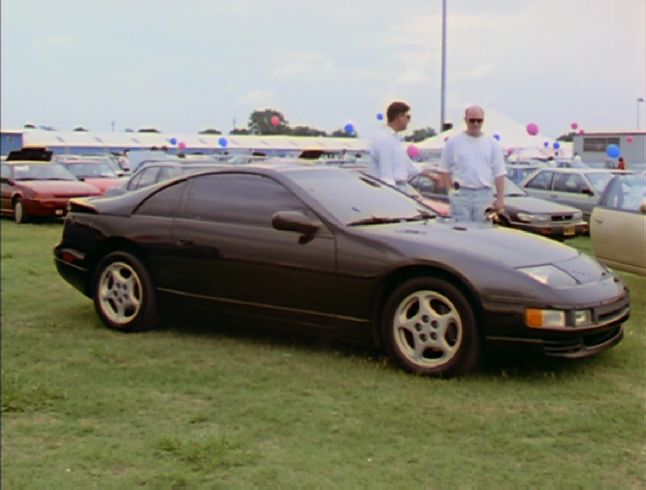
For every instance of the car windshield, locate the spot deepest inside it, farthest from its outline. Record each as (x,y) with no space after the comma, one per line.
(365,199)
(91,169)
(599,181)
(512,190)
(42,171)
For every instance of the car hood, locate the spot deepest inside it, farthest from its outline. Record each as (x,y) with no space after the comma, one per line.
(60,187)
(534,205)
(507,246)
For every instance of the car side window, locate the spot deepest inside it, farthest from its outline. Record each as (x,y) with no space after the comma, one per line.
(239,199)
(624,195)
(148,177)
(166,173)
(542,180)
(572,183)
(6,172)
(164,202)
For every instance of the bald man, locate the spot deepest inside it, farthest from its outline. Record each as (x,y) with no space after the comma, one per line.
(473,167)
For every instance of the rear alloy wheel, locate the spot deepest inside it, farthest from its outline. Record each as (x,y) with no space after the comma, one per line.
(123,293)
(19,214)
(429,328)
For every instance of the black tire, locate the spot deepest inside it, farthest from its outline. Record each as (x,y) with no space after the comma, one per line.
(429,328)
(20,216)
(123,294)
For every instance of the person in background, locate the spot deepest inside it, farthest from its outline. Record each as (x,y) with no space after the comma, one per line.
(472,166)
(621,164)
(389,160)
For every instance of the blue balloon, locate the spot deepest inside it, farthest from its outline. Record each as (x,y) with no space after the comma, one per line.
(223,142)
(546,144)
(173,141)
(348,128)
(612,151)
(496,137)
(556,145)
(380,116)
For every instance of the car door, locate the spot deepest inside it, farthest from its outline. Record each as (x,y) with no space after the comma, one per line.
(7,188)
(573,190)
(228,252)
(618,225)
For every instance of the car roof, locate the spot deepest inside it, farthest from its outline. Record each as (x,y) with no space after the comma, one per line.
(568,170)
(29,162)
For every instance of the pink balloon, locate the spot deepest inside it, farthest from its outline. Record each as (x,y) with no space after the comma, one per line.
(574,125)
(581,131)
(182,145)
(532,129)
(412,151)
(446,138)
(275,120)
(629,139)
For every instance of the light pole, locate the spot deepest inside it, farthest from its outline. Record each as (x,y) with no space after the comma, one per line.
(443,89)
(640,100)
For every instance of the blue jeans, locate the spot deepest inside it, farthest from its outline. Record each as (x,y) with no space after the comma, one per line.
(470,204)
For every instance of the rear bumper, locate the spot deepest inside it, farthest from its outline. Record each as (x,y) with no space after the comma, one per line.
(68,264)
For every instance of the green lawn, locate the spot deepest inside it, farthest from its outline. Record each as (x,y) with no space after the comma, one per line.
(195,407)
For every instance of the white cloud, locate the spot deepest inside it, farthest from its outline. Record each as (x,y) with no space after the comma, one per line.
(258,98)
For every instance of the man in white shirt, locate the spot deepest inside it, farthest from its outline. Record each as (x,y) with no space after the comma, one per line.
(390,162)
(472,167)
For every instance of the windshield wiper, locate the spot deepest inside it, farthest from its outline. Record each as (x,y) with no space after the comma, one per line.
(374,220)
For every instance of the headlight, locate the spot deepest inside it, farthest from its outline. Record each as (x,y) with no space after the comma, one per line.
(530,218)
(577,215)
(535,318)
(549,275)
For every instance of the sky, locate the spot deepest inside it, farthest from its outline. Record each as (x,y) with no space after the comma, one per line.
(184,66)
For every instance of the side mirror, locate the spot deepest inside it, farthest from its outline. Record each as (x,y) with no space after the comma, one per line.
(295,221)
(642,207)
(587,192)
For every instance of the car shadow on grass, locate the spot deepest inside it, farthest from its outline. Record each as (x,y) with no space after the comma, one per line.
(517,361)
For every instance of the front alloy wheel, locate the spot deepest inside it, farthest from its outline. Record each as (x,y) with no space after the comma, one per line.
(430,328)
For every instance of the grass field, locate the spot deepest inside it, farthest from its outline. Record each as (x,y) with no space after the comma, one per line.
(197,407)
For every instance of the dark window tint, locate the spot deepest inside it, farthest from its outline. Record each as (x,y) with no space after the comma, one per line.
(542,180)
(238,198)
(164,202)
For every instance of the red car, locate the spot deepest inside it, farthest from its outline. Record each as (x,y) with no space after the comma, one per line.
(39,189)
(94,172)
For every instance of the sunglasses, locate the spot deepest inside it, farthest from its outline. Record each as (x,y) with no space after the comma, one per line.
(475,121)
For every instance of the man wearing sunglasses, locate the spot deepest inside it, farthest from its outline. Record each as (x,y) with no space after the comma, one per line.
(473,166)
(390,163)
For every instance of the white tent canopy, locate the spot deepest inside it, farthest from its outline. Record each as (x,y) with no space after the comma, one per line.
(512,135)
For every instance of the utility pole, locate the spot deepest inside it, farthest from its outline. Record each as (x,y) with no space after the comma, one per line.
(113,126)
(443,90)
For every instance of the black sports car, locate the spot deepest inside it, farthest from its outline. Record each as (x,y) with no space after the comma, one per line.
(322,249)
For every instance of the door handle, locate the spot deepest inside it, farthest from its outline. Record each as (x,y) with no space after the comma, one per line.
(554,196)
(185,243)
(598,221)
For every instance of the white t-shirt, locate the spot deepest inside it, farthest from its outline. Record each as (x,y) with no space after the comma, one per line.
(390,162)
(473,161)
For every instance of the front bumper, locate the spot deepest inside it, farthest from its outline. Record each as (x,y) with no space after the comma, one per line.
(554,230)
(505,324)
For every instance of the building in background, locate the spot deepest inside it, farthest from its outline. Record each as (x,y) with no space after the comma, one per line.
(593,146)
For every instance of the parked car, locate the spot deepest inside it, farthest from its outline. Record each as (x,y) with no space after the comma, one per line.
(521,211)
(618,224)
(321,249)
(153,172)
(580,188)
(94,172)
(39,189)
